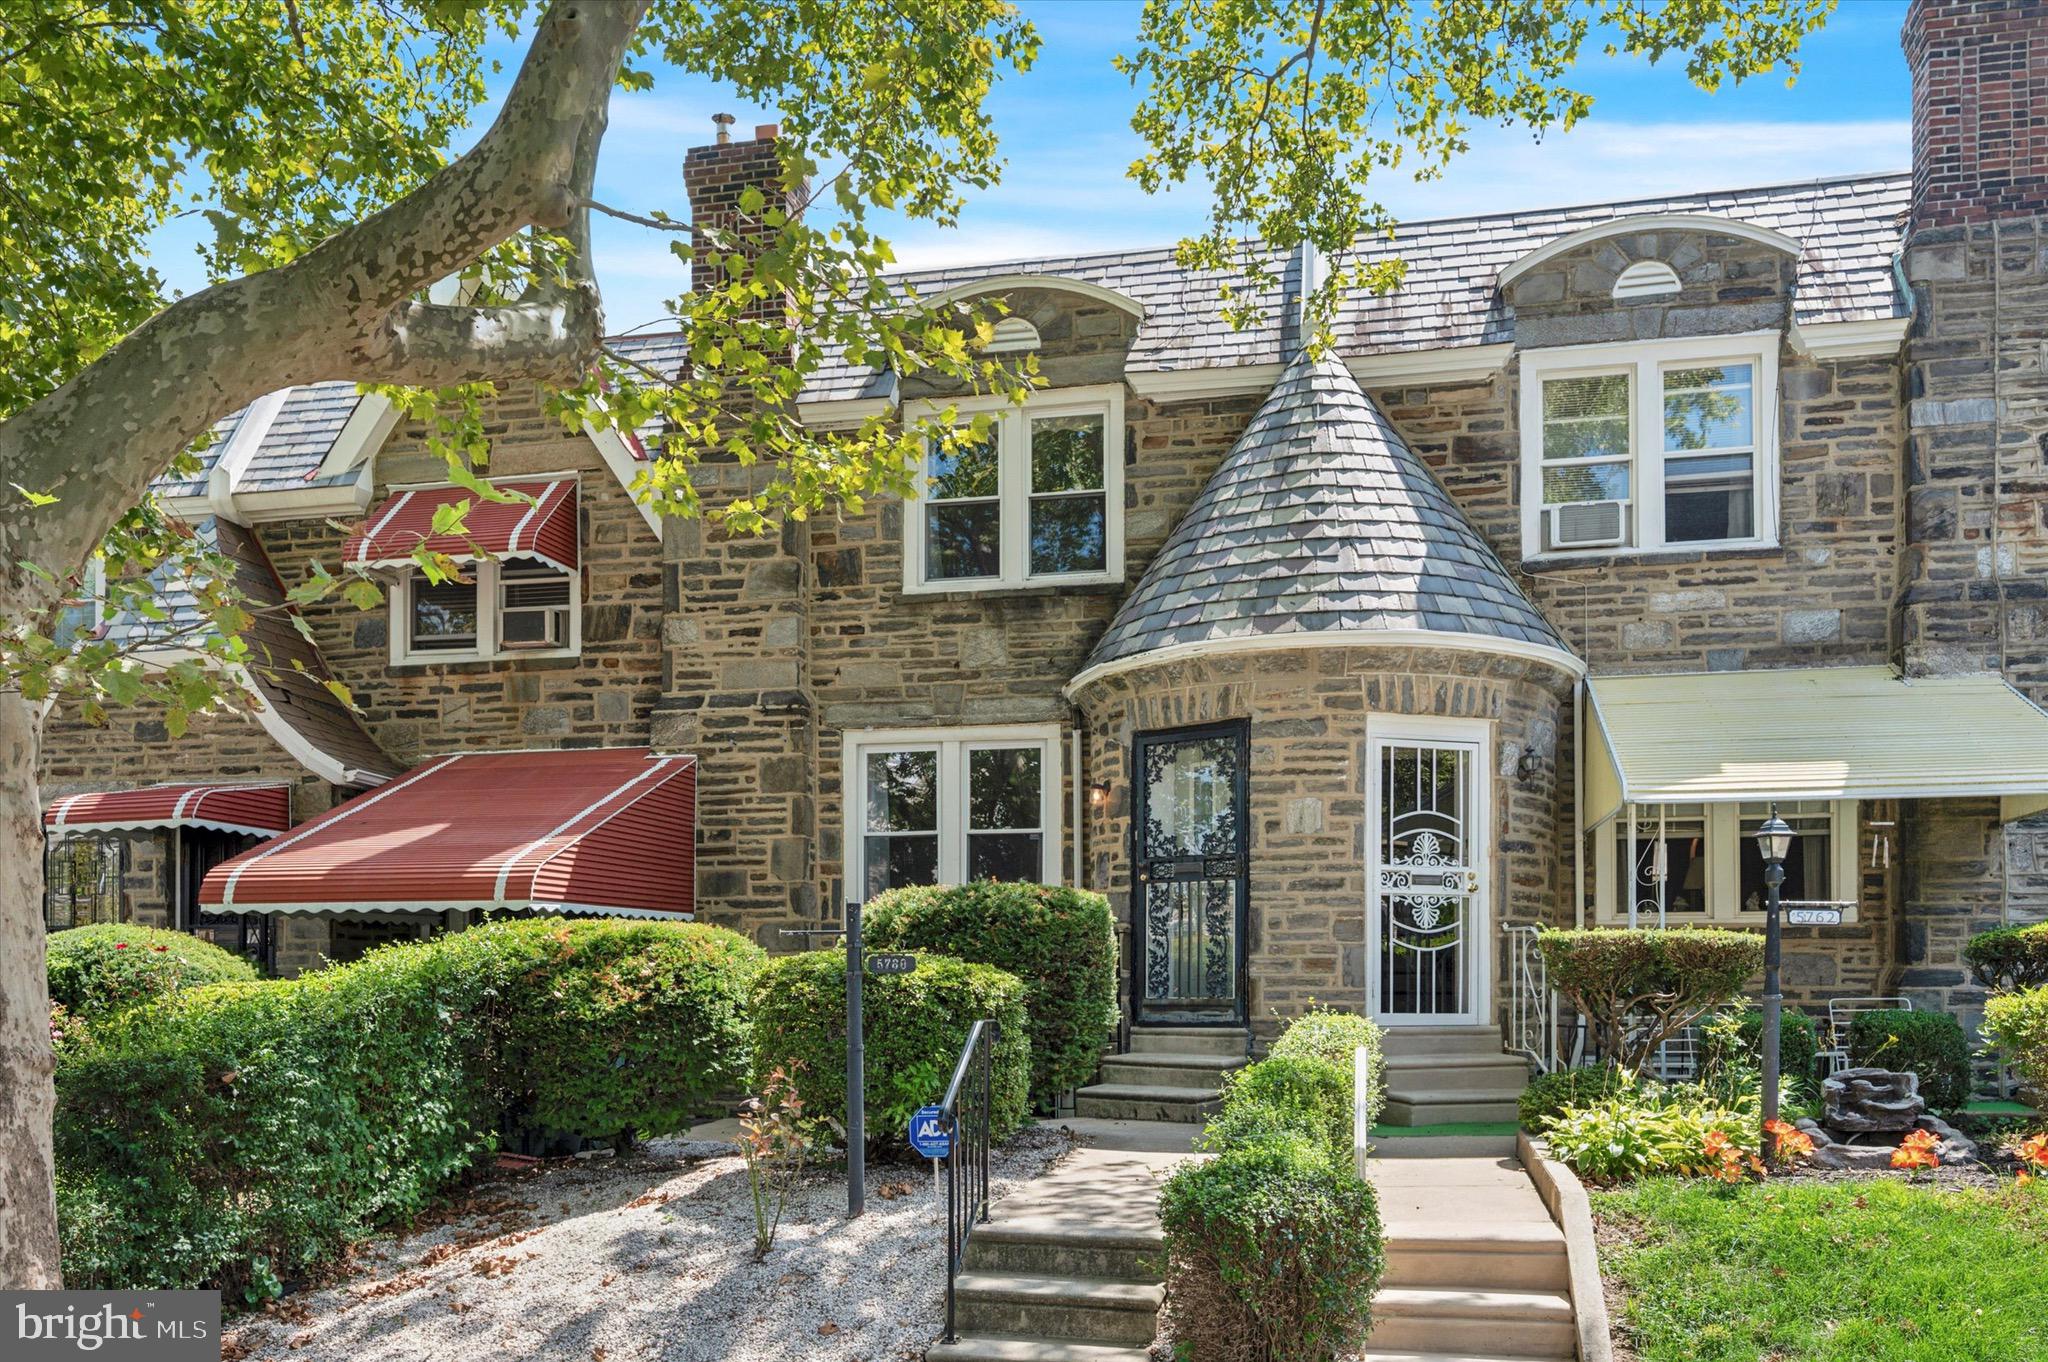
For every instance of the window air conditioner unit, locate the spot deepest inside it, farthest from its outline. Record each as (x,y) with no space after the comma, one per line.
(1587,524)
(532,629)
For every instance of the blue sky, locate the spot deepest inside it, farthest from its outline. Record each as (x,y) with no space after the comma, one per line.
(1065,129)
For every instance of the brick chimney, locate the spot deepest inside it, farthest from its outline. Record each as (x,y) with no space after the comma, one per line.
(1980,109)
(715,177)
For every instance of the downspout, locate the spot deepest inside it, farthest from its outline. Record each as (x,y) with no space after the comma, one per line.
(1074,791)
(1997,510)
(1579,803)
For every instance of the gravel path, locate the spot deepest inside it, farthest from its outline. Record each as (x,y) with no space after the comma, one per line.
(649,1257)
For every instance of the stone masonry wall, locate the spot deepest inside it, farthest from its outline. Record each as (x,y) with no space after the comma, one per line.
(1309,712)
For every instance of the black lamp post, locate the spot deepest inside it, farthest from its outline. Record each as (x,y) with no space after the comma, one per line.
(1774,840)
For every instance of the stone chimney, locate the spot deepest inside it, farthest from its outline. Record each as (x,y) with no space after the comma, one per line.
(1974,557)
(1980,109)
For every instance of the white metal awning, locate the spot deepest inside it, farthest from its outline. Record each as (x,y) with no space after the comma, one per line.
(1812,733)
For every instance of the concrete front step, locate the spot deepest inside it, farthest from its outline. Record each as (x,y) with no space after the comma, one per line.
(1055,1246)
(1435,1108)
(1083,1309)
(989,1348)
(1169,1070)
(1404,1042)
(1502,1324)
(1489,1075)
(1509,1255)
(1443,1147)
(1225,1042)
(1146,1102)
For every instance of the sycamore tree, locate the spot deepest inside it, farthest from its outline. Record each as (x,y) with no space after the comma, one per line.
(317,141)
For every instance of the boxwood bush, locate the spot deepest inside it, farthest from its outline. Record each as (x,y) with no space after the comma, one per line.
(1302,1094)
(1060,942)
(1930,1044)
(2018,1024)
(914,1026)
(98,971)
(1273,1252)
(2009,958)
(1336,1037)
(238,1133)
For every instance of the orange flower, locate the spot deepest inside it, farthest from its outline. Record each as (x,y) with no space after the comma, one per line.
(1789,1141)
(2034,1153)
(1916,1152)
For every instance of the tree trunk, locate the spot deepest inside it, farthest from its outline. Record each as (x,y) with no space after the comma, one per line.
(28,1201)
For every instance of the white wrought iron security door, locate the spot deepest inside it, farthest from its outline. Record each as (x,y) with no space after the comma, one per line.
(1426,874)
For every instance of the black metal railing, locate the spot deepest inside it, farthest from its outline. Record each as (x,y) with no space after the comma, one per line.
(964,1116)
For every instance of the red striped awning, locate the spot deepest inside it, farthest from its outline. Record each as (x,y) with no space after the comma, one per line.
(543,529)
(264,810)
(605,831)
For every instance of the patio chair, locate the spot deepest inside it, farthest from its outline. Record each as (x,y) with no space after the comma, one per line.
(1841,1013)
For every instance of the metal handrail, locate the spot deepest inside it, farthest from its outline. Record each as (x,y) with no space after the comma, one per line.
(964,1116)
(1532,1004)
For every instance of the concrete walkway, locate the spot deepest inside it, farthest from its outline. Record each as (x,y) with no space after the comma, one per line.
(1068,1269)
(1476,1269)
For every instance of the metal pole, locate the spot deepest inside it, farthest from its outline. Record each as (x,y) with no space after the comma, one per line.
(856,1076)
(1774,999)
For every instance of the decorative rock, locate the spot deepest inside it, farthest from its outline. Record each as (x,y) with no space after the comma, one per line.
(1863,1101)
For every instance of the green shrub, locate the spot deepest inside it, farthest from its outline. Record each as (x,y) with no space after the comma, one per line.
(1336,1037)
(1638,988)
(1273,1253)
(239,1133)
(2018,1024)
(1644,1132)
(1548,1095)
(1726,1050)
(613,1027)
(1303,1094)
(1061,942)
(98,971)
(1930,1044)
(914,1026)
(2009,958)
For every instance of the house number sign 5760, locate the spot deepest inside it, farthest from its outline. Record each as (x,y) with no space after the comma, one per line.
(891,963)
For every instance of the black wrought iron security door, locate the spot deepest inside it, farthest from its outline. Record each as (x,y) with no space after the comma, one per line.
(1190,841)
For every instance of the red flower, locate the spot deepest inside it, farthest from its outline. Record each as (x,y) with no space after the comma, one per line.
(120,945)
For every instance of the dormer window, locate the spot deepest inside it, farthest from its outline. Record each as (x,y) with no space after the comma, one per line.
(1035,500)
(1650,446)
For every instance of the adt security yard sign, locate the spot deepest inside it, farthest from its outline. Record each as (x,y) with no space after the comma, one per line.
(928,1133)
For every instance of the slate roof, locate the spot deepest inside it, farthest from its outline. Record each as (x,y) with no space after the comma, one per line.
(1848,228)
(304,430)
(1321,519)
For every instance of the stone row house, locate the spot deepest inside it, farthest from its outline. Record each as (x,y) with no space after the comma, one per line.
(1614,527)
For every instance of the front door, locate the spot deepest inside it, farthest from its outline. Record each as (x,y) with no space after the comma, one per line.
(1426,872)
(1190,843)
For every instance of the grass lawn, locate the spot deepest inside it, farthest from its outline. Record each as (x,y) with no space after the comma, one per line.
(1828,1271)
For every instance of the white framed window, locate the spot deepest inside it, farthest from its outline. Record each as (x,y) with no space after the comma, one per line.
(510,608)
(1647,446)
(951,805)
(1037,500)
(1699,862)
(82,618)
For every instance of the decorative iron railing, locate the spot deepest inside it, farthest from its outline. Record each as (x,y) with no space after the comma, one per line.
(964,1115)
(1532,1006)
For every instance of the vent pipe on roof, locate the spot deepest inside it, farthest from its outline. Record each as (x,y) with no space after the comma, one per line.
(1307,276)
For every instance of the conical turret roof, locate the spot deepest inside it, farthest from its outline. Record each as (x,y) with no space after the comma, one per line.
(1321,520)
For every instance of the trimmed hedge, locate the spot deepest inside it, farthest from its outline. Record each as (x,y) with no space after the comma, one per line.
(2018,1024)
(1336,1037)
(97,971)
(1550,1095)
(1798,1048)
(1060,942)
(1301,1094)
(239,1133)
(913,1027)
(2009,958)
(1273,1252)
(1930,1044)
(1668,977)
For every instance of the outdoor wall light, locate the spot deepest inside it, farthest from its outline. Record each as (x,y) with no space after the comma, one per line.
(1098,795)
(1528,764)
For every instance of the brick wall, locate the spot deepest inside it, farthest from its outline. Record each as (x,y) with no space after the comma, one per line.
(1980,89)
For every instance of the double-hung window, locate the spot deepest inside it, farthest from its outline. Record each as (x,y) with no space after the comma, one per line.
(1653,445)
(1034,497)
(510,608)
(946,806)
(1694,863)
